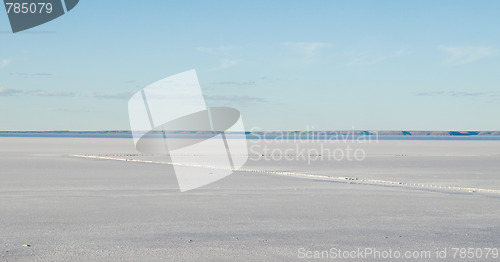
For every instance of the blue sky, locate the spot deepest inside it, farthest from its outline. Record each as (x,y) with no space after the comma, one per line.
(286,65)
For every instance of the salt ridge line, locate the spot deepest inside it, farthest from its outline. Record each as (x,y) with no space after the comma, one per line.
(349,180)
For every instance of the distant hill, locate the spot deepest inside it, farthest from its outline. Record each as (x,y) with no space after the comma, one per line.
(438,133)
(289,134)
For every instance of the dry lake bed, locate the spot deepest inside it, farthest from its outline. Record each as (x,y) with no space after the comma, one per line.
(88,199)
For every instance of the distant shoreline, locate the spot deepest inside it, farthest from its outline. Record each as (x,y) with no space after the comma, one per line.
(272,135)
(319,132)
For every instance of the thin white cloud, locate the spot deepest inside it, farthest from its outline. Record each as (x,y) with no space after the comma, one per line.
(122,95)
(308,49)
(458,93)
(31,74)
(224,49)
(39,92)
(5,62)
(431,93)
(9,91)
(234,83)
(232,99)
(80,109)
(461,93)
(362,59)
(224,53)
(461,55)
(225,63)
